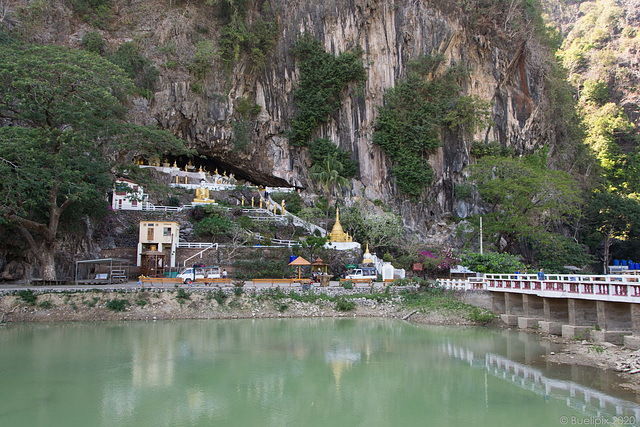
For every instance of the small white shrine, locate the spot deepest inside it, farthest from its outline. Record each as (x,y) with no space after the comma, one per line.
(128,195)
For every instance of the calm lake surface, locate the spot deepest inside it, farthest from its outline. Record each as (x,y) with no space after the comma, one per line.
(293,372)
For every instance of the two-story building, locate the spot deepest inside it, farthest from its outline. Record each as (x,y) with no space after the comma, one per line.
(159,236)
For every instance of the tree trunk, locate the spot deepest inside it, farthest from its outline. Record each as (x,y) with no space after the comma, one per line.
(47,263)
(607,246)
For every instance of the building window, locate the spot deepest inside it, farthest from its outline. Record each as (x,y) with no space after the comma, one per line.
(167,231)
(150,234)
(134,203)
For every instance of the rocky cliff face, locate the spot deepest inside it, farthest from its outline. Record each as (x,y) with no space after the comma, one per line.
(508,71)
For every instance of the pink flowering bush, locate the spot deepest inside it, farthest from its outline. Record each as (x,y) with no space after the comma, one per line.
(442,260)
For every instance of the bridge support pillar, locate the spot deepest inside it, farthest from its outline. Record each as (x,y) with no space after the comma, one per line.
(513,308)
(614,320)
(533,311)
(582,318)
(556,314)
(633,341)
(497,302)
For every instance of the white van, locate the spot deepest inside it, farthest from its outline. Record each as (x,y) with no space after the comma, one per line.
(362,273)
(187,275)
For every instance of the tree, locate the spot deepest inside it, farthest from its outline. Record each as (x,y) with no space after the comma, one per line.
(328,173)
(524,198)
(64,134)
(612,216)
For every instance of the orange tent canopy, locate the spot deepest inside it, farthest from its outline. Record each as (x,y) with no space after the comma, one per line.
(299,262)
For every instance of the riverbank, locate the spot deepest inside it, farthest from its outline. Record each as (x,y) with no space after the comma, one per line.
(228,303)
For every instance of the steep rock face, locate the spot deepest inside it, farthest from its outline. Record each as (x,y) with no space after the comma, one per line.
(391,33)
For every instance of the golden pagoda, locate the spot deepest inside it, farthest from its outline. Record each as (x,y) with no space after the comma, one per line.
(366,258)
(337,233)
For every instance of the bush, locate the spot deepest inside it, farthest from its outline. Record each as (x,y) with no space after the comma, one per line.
(182,296)
(93,42)
(220,296)
(347,284)
(292,201)
(46,304)
(479,315)
(117,304)
(141,302)
(492,262)
(28,297)
(343,304)
(136,67)
(213,225)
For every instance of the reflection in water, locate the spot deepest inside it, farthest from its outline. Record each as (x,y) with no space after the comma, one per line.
(584,399)
(312,372)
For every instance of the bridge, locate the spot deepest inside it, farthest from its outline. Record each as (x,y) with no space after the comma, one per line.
(600,307)
(583,399)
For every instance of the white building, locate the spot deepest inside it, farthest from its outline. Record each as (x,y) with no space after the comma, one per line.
(128,195)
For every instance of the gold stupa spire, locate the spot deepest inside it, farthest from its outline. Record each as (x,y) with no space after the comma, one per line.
(366,258)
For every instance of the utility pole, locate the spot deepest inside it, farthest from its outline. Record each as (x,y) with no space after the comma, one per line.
(480,235)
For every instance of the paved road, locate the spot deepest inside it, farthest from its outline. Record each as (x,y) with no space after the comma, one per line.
(133,286)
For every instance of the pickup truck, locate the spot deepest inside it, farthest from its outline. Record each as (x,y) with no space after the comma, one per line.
(362,273)
(201,273)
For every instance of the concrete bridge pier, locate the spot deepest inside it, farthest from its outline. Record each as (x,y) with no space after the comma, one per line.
(556,314)
(512,308)
(614,322)
(582,318)
(533,311)
(633,341)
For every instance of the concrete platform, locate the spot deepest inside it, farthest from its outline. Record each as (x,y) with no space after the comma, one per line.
(632,342)
(552,328)
(529,322)
(577,332)
(614,337)
(510,319)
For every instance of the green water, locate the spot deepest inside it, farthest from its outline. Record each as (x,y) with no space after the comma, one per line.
(293,372)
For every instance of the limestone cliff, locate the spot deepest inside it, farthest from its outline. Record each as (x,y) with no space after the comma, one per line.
(508,68)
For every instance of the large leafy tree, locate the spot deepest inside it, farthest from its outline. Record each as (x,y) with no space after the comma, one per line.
(612,216)
(329,174)
(525,199)
(64,132)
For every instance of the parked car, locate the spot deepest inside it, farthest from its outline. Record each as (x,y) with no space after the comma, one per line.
(187,275)
(362,273)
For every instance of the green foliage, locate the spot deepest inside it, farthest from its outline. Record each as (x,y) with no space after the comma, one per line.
(213,225)
(414,114)
(182,296)
(292,200)
(525,197)
(246,108)
(322,148)
(481,149)
(241,138)
(555,253)
(28,296)
(492,262)
(93,42)
(136,67)
(343,304)
(323,78)
(46,304)
(255,38)
(348,284)
(595,92)
(92,302)
(67,109)
(141,302)
(203,58)
(257,269)
(117,304)
(482,316)
(220,296)
(380,230)
(95,12)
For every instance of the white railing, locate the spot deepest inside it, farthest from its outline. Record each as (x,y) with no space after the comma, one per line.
(197,245)
(199,254)
(618,287)
(275,242)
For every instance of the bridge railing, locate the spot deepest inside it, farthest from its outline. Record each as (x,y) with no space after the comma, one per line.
(616,287)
